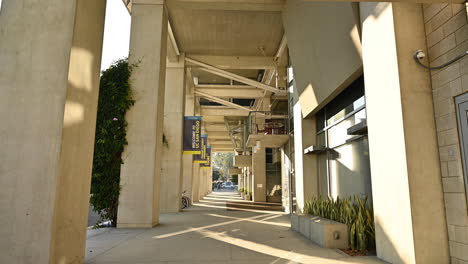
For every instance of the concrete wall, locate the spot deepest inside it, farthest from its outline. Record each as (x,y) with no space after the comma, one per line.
(305,166)
(50,55)
(447,36)
(324,48)
(406,183)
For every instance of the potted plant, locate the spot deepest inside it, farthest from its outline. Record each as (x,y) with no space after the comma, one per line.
(249,196)
(241,191)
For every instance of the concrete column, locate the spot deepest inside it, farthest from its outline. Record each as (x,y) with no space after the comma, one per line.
(196,182)
(248,180)
(202,185)
(244,175)
(171,174)
(406,181)
(259,174)
(210,180)
(141,171)
(187,159)
(51,56)
(305,166)
(240,178)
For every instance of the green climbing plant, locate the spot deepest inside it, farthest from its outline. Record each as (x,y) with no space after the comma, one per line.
(115,99)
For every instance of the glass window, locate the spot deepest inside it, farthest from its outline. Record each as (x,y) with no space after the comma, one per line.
(344,168)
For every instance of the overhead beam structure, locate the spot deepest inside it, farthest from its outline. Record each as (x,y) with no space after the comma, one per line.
(173,51)
(221,111)
(222,101)
(265,5)
(235,62)
(222,92)
(219,135)
(235,77)
(231,5)
(215,127)
(213,119)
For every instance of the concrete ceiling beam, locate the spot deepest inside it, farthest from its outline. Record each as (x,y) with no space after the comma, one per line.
(235,77)
(221,135)
(221,111)
(222,101)
(173,51)
(231,5)
(216,127)
(217,142)
(232,93)
(235,62)
(224,86)
(213,119)
(223,146)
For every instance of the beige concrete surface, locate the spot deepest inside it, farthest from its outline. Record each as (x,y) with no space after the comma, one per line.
(50,56)
(196,182)
(171,169)
(447,35)
(325,49)
(187,159)
(141,171)
(259,174)
(402,137)
(306,183)
(243,160)
(213,231)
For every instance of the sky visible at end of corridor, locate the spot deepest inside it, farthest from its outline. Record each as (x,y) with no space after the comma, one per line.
(116,33)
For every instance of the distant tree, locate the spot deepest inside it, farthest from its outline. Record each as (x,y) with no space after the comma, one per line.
(223,161)
(216,175)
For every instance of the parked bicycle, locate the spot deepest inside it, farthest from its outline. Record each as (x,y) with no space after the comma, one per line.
(185,200)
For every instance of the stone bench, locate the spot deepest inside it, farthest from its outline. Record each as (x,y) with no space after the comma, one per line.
(325,232)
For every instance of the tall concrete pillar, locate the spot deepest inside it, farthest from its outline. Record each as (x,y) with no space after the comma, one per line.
(240,179)
(248,180)
(202,185)
(406,181)
(187,159)
(259,174)
(171,174)
(51,56)
(196,182)
(306,183)
(141,171)
(210,180)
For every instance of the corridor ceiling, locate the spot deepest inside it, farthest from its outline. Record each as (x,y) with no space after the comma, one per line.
(227,30)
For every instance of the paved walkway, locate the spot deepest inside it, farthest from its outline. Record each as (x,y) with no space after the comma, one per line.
(223,229)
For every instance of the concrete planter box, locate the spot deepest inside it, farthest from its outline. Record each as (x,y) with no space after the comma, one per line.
(247,197)
(242,195)
(326,233)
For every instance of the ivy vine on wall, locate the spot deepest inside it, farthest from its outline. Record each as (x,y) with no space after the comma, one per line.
(115,99)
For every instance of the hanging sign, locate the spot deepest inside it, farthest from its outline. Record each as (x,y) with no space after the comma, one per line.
(192,130)
(202,157)
(207,164)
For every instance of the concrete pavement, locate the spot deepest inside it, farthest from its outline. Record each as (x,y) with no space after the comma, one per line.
(213,231)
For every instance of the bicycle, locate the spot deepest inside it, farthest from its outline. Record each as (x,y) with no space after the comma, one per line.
(185,200)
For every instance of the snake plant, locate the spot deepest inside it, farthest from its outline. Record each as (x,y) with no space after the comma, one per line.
(355,212)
